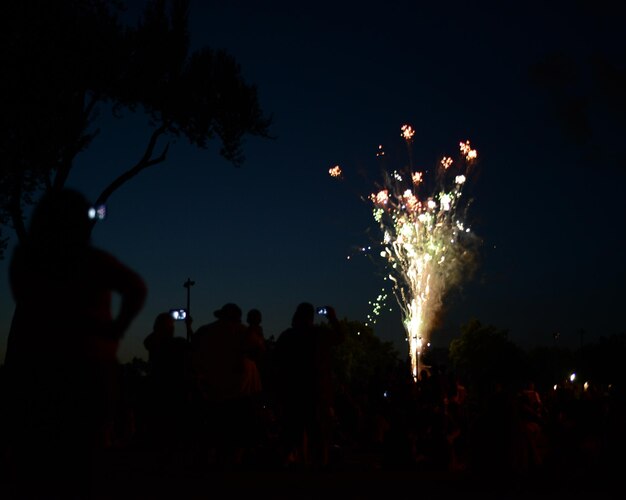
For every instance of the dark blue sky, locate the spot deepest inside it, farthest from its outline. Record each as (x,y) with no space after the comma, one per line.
(340,78)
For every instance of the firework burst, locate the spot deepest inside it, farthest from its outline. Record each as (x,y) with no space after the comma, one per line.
(425,241)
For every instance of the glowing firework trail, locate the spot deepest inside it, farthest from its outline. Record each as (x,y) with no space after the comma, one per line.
(424,240)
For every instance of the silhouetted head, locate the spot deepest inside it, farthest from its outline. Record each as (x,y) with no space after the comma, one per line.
(229,312)
(60,219)
(164,324)
(304,315)
(254,317)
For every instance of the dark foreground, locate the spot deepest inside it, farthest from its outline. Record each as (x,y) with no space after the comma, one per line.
(133,474)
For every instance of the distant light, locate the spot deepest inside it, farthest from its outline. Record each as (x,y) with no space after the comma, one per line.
(586,386)
(555,387)
(572,377)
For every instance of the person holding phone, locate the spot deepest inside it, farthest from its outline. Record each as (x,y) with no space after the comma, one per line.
(61,357)
(304,384)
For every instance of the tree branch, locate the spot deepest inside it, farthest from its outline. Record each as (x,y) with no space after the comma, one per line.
(67,162)
(145,162)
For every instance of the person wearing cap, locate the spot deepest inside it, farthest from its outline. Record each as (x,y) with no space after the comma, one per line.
(217,357)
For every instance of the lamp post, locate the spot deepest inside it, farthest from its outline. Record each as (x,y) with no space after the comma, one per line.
(188,284)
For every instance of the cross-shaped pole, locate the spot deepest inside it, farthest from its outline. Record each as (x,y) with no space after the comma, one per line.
(188,284)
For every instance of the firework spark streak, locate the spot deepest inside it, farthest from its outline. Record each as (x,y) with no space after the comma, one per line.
(424,240)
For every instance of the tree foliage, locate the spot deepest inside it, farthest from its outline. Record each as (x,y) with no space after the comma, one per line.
(363,358)
(602,361)
(65,60)
(586,86)
(550,365)
(484,356)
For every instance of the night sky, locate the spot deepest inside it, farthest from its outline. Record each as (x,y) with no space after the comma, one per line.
(340,79)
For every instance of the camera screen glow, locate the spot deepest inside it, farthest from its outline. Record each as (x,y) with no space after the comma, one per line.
(179,314)
(98,212)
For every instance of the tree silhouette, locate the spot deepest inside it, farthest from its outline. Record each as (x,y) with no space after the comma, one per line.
(62,61)
(586,85)
(362,358)
(601,362)
(483,356)
(550,365)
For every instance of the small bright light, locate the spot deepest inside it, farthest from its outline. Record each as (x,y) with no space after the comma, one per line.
(586,385)
(179,314)
(555,387)
(98,212)
(572,377)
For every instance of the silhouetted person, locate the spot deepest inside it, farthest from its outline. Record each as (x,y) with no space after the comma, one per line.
(62,347)
(305,389)
(167,355)
(497,441)
(254,318)
(253,390)
(168,389)
(254,349)
(532,414)
(218,351)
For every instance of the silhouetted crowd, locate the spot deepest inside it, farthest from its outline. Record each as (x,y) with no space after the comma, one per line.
(226,398)
(220,396)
